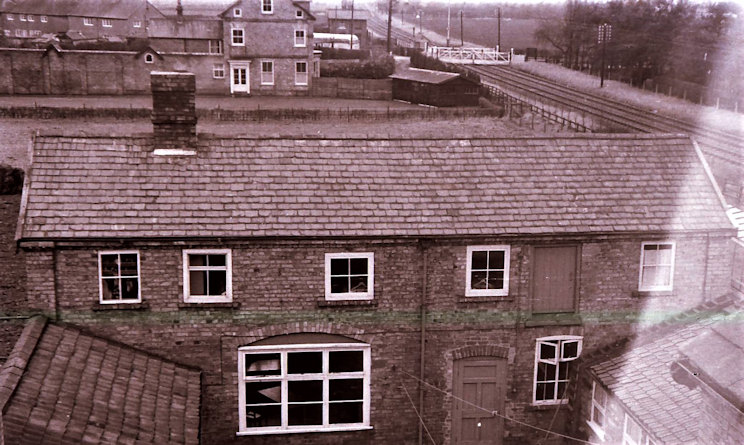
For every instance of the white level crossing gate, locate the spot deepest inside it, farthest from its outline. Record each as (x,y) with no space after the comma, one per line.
(474,56)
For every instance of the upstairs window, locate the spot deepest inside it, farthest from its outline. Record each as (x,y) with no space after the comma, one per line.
(237,12)
(10,17)
(215,47)
(297,388)
(207,276)
(634,434)
(267,6)
(238,37)
(267,72)
(553,357)
(119,277)
(487,271)
(30,18)
(657,266)
(43,19)
(137,24)
(22,17)
(299,14)
(349,276)
(87,21)
(106,23)
(149,58)
(597,416)
(299,38)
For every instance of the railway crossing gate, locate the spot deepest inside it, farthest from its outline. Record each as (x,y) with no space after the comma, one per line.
(473,56)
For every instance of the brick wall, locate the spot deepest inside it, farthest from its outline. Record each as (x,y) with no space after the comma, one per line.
(721,423)
(12,269)
(376,89)
(173,109)
(279,288)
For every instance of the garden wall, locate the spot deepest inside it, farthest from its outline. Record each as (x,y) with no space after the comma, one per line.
(379,89)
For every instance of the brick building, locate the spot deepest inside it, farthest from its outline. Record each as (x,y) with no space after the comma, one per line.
(318,283)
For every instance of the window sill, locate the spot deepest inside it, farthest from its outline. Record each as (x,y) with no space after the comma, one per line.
(225,305)
(346,303)
(598,431)
(303,430)
(121,306)
(484,299)
(651,293)
(556,319)
(547,406)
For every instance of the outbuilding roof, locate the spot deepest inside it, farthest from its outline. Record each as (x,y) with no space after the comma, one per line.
(61,385)
(187,28)
(115,9)
(109,187)
(424,76)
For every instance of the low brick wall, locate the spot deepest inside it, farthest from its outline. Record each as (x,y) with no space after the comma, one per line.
(378,89)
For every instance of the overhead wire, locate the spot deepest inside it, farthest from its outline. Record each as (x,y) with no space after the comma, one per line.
(413,405)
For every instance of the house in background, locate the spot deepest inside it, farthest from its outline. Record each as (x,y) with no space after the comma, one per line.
(340,21)
(333,290)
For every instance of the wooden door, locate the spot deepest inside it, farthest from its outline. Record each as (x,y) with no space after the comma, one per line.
(481,381)
(239,82)
(554,279)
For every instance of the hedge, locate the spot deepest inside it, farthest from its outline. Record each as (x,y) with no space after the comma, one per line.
(11,180)
(377,68)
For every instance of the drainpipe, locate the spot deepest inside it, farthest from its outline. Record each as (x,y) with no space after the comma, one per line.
(422,363)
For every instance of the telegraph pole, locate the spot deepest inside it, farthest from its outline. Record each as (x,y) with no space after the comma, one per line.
(390,23)
(449,9)
(462,33)
(604,33)
(498,41)
(351,37)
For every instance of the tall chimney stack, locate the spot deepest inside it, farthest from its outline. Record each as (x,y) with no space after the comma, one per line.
(174,109)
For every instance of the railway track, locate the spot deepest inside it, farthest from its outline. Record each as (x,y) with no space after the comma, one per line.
(726,146)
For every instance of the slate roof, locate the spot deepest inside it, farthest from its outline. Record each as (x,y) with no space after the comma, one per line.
(61,385)
(641,378)
(188,28)
(425,76)
(115,9)
(88,187)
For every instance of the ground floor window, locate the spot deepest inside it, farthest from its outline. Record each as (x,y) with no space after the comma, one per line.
(304,387)
(301,73)
(597,412)
(634,434)
(267,72)
(553,357)
(218,70)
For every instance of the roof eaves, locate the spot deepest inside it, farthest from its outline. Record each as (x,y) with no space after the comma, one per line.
(709,174)
(305,10)
(15,365)
(26,189)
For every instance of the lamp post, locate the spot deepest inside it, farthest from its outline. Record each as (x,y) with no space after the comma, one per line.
(420,16)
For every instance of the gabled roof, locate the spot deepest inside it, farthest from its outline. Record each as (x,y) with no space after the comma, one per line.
(642,379)
(61,385)
(186,28)
(108,187)
(425,76)
(115,9)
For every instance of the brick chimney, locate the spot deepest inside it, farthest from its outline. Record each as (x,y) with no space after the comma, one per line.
(173,110)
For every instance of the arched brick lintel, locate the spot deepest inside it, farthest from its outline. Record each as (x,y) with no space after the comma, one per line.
(478,351)
(307,327)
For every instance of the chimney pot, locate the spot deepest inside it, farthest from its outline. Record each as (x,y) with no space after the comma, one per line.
(173,109)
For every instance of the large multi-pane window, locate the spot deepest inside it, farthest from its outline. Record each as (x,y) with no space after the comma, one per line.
(119,277)
(597,416)
(207,276)
(487,271)
(657,266)
(238,36)
(634,434)
(349,276)
(303,387)
(553,357)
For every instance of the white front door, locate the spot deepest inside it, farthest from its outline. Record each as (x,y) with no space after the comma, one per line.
(239,81)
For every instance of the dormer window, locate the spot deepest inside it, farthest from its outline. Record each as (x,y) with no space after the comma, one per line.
(299,14)
(237,12)
(10,17)
(43,19)
(22,17)
(106,23)
(87,21)
(149,58)
(137,24)
(30,18)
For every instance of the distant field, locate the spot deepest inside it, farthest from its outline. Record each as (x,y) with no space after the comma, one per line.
(515,33)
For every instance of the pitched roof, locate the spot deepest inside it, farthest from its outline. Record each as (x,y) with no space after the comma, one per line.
(101,187)
(115,9)
(641,378)
(61,385)
(425,76)
(186,28)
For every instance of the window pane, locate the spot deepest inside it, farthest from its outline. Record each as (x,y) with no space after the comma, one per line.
(544,391)
(109,265)
(197,260)
(216,260)
(339,284)
(570,349)
(339,266)
(665,254)
(217,282)
(129,288)
(563,370)
(311,414)
(345,412)
(561,390)
(545,372)
(496,259)
(305,391)
(358,266)
(480,260)
(663,275)
(495,280)
(478,280)
(110,289)
(257,393)
(548,351)
(598,417)
(346,361)
(358,284)
(262,364)
(345,389)
(129,265)
(600,396)
(198,282)
(304,362)
(258,416)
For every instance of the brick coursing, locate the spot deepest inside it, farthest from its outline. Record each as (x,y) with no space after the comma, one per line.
(173,110)
(12,259)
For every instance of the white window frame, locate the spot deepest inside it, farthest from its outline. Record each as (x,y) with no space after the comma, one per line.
(215,46)
(30,17)
(300,41)
(234,36)
(644,438)
(149,58)
(264,4)
(137,24)
(106,23)
(9,17)
(597,427)
(88,21)
(119,277)
(43,19)
(299,76)
(285,378)
(22,17)
(299,14)
(187,297)
(369,295)
(504,291)
(559,341)
(237,12)
(218,70)
(668,287)
(267,73)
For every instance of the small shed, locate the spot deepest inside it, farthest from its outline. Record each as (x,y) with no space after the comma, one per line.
(437,88)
